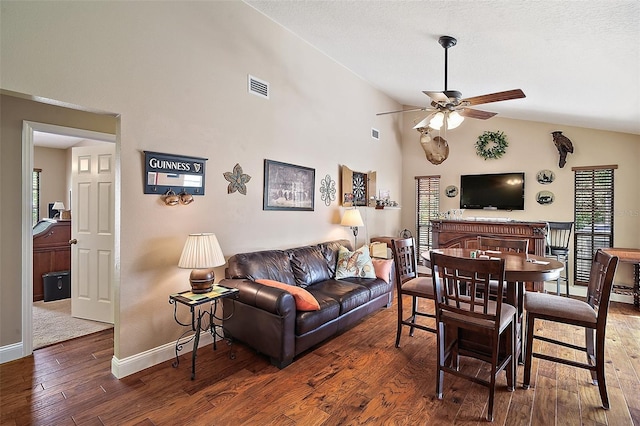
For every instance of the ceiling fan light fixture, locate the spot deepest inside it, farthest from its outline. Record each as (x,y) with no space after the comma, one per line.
(454,119)
(437,121)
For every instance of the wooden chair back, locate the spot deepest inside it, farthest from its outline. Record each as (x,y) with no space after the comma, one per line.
(406,262)
(603,270)
(503,244)
(461,286)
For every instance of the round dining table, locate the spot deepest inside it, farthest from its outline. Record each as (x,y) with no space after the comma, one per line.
(518,268)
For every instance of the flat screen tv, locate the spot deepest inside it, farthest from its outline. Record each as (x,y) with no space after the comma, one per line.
(500,191)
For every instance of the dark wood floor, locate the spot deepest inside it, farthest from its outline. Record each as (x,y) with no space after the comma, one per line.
(356,378)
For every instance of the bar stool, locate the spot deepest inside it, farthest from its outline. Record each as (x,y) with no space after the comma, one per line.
(558,238)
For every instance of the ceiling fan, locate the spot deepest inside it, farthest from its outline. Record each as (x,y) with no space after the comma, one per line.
(448,107)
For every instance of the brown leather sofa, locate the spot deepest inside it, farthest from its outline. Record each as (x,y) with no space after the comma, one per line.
(266,318)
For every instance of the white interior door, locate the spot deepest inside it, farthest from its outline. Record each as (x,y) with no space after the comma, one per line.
(92,228)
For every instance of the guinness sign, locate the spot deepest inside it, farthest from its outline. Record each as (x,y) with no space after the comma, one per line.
(178,173)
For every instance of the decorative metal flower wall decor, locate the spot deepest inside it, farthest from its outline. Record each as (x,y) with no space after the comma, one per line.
(328,190)
(237,180)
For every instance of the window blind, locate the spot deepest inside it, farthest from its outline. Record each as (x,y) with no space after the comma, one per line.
(427,208)
(35,196)
(593,216)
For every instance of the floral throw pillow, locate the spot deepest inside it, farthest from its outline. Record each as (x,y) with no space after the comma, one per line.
(354,263)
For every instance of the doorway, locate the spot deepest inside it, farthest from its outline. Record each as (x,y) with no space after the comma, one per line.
(30,132)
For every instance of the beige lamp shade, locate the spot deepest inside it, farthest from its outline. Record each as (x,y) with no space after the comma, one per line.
(201,253)
(352,218)
(58,205)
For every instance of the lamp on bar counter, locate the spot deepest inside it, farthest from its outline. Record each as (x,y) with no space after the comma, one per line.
(201,253)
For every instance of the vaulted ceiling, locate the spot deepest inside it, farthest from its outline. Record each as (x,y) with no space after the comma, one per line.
(578,62)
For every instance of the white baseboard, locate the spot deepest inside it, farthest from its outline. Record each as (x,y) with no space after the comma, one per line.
(11,352)
(124,367)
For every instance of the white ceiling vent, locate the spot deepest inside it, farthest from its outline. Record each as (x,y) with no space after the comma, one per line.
(375,134)
(258,87)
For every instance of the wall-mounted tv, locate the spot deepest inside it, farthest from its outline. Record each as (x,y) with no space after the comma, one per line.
(500,191)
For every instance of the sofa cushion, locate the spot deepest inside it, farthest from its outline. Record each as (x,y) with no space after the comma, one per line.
(307,321)
(348,294)
(309,265)
(377,287)
(354,264)
(268,264)
(304,300)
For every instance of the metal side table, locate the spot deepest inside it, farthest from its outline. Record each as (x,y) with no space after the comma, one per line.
(203,309)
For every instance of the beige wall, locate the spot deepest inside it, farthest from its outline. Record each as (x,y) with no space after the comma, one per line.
(53,178)
(176,73)
(530,150)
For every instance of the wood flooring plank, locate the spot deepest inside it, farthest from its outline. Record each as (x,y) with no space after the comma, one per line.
(545,396)
(357,377)
(619,413)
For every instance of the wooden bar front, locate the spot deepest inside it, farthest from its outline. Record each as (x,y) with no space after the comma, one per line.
(464,234)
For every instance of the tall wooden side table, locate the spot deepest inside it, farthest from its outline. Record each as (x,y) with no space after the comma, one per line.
(203,309)
(630,255)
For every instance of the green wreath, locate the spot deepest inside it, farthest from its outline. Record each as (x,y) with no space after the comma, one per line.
(491,145)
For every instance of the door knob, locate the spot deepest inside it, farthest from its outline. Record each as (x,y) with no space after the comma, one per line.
(74,241)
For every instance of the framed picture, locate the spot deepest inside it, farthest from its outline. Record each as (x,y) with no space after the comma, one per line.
(288,187)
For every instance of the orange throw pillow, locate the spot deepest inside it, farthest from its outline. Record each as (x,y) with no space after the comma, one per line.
(304,300)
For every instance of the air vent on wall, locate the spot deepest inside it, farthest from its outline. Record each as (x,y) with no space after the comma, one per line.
(258,87)
(375,134)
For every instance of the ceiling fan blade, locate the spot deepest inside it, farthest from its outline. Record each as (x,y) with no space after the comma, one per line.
(476,113)
(424,122)
(402,110)
(495,97)
(437,96)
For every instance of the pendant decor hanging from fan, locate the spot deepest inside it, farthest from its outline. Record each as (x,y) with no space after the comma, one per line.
(448,109)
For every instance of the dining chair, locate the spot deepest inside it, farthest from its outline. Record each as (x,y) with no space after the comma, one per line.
(590,314)
(463,319)
(409,283)
(503,244)
(558,237)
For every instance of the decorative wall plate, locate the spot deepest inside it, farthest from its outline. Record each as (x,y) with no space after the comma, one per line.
(451,191)
(545,197)
(545,177)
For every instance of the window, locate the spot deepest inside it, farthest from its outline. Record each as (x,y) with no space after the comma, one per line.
(427,209)
(593,216)
(35,196)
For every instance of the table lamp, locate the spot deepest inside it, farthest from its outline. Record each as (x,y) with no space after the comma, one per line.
(352,219)
(58,205)
(201,253)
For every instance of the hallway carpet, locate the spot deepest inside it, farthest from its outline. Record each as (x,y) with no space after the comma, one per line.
(53,323)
